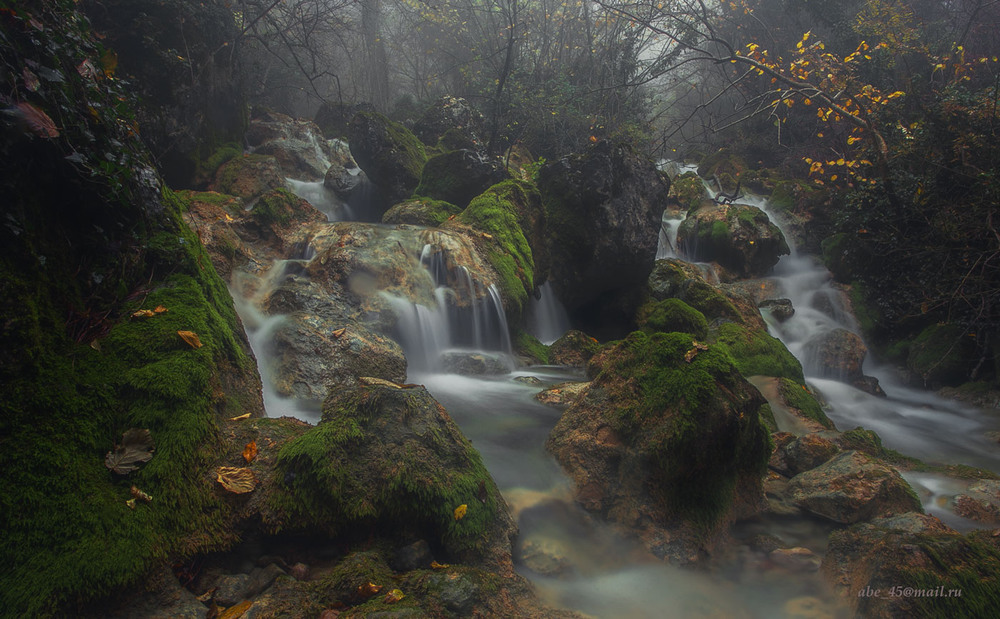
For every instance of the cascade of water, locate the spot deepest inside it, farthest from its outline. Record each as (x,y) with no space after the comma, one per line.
(323,199)
(667,246)
(470,286)
(547,318)
(501,330)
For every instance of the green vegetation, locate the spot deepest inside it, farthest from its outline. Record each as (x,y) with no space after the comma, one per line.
(421,211)
(870,443)
(689,190)
(969,564)
(757,353)
(798,396)
(528,345)
(277,207)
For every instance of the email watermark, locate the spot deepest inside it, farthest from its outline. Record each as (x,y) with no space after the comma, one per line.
(899,591)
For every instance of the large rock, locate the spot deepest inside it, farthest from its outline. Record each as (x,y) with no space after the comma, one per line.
(739,237)
(912,565)
(333,118)
(298,145)
(641,443)
(421,212)
(980,502)
(391,156)
(458,176)
(452,121)
(574,348)
(604,209)
(839,354)
(392,457)
(853,487)
(248,177)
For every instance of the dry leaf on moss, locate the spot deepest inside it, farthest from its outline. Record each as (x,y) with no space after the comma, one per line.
(142,496)
(460,511)
(234,612)
(136,447)
(236,480)
(250,451)
(239,417)
(143,313)
(394,596)
(191,338)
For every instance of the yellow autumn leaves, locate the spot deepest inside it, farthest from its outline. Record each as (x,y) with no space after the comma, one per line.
(190,337)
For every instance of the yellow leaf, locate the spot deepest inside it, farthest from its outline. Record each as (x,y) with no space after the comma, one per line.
(191,338)
(239,417)
(130,503)
(236,480)
(439,566)
(394,596)
(143,313)
(139,494)
(840,162)
(250,451)
(339,332)
(460,511)
(235,612)
(159,309)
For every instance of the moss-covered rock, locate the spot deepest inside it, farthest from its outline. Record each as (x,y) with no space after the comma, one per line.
(671,315)
(688,190)
(757,353)
(391,156)
(450,122)
(919,567)
(574,348)
(458,176)
(640,444)
(798,397)
(943,355)
(739,237)
(393,459)
(421,211)
(248,177)
(511,216)
(528,347)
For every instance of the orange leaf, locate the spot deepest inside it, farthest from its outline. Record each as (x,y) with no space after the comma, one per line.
(439,566)
(339,332)
(237,611)
(250,451)
(460,511)
(159,309)
(191,338)
(236,480)
(143,313)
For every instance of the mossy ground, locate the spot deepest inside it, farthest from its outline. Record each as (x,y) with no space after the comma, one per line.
(798,396)
(72,403)
(757,353)
(672,315)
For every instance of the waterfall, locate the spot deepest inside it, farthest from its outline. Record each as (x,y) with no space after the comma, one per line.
(667,246)
(547,318)
(323,199)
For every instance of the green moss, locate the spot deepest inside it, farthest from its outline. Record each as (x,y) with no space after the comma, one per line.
(966,564)
(767,417)
(718,233)
(942,354)
(206,168)
(403,142)
(421,211)
(707,299)
(686,409)
(529,346)
(866,314)
(496,212)
(870,443)
(276,207)
(689,190)
(799,397)
(364,467)
(230,175)
(61,418)
(672,315)
(757,353)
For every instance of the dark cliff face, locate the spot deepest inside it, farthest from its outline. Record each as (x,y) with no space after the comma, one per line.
(90,237)
(179,56)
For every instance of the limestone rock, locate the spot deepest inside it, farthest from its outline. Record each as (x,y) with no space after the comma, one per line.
(452,116)
(980,502)
(853,487)
(805,453)
(739,237)
(420,211)
(458,176)
(298,145)
(248,177)
(795,559)
(574,348)
(781,309)
(391,156)
(474,363)
(840,354)
(562,394)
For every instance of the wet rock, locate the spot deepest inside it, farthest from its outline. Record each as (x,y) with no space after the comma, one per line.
(333,118)
(528,380)
(980,502)
(943,355)
(231,589)
(421,212)
(839,354)
(452,116)
(808,607)
(458,176)
(212,215)
(391,156)
(309,355)
(562,394)
(248,177)
(161,597)
(298,145)
(543,556)
(795,559)
(574,349)
(636,461)
(261,578)
(457,592)
(804,453)
(604,208)
(739,237)
(781,309)
(344,181)
(395,452)
(279,221)
(921,556)
(299,571)
(413,556)
(853,487)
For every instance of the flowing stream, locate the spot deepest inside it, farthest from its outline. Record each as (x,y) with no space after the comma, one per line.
(596,571)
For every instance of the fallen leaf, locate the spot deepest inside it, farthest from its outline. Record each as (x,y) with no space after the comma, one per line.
(367,590)
(234,612)
(142,496)
(691,354)
(460,511)
(130,503)
(239,417)
(339,332)
(394,596)
(371,380)
(86,69)
(439,566)
(236,480)
(136,447)
(38,121)
(143,313)
(30,80)
(250,451)
(159,309)
(191,338)
(205,597)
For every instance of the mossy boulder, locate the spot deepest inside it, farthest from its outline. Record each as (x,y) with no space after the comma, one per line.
(421,211)
(640,445)
(248,177)
(458,176)
(853,487)
(530,349)
(671,315)
(281,220)
(213,216)
(688,191)
(943,355)
(739,237)
(391,156)
(298,145)
(450,120)
(918,566)
(672,278)
(391,459)
(839,354)
(510,223)
(603,210)
(574,348)
(757,353)
(334,117)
